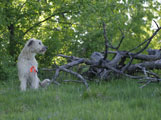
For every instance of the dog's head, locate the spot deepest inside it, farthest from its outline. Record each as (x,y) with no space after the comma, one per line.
(36,46)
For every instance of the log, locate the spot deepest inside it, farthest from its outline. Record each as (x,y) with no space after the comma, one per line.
(150,65)
(102,67)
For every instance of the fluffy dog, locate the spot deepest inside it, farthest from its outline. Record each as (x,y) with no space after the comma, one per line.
(28,66)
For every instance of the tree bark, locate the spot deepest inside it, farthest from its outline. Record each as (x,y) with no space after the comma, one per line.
(12,41)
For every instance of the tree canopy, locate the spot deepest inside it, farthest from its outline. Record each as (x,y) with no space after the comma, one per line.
(73,27)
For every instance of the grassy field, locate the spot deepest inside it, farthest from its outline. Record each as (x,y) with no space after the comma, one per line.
(114,100)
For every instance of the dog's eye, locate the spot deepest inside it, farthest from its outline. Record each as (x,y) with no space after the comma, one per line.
(39,43)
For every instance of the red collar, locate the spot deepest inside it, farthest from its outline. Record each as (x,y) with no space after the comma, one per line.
(32,69)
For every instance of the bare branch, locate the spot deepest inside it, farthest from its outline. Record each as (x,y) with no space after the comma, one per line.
(156,24)
(73,58)
(128,64)
(149,65)
(123,36)
(145,72)
(48,18)
(55,76)
(47,69)
(148,42)
(77,75)
(106,41)
(156,56)
(65,68)
(77,81)
(154,74)
(149,81)
(69,57)
(116,59)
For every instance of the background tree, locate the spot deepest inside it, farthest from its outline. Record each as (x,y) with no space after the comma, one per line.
(71,27)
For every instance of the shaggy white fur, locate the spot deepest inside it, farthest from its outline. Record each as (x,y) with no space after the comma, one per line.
(28,66)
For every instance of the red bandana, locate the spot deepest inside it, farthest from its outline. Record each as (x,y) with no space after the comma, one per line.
(32,69)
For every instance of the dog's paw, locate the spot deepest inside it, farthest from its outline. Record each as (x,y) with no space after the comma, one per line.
(45,82)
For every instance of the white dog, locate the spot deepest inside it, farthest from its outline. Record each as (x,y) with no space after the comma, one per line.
(28,66)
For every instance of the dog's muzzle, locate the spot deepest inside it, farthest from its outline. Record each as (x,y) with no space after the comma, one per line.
(43,50)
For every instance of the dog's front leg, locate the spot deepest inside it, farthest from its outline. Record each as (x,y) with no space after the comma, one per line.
(23,84)
(35,81)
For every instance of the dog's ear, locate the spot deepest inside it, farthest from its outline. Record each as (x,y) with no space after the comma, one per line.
(30,43)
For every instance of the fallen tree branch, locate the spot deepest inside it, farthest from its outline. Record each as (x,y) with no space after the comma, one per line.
(66,67)
(121,64)
(150,65)
(156,56)
(77,75)
(149,81)
(77,81)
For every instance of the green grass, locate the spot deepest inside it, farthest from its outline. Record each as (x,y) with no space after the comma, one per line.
(115,100)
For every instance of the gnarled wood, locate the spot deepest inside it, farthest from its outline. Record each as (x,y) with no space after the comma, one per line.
(120,64)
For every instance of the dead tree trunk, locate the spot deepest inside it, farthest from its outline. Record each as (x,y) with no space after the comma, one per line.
(101,67)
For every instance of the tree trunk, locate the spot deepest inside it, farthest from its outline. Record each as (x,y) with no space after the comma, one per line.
(12,41)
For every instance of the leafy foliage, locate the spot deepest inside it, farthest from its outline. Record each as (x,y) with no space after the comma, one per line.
(72,27)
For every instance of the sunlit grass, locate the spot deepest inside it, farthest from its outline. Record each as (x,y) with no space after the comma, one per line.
(114,100)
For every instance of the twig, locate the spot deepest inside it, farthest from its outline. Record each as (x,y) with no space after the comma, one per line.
(128,64)
(48,18)
(47,69)
(149,81)
(156,24)
(106,41)
(77,75)
(145,72)
(55,76)
(154,74)
(73,81)
(148,40)
(69,57)
(65,69)
(123,36)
